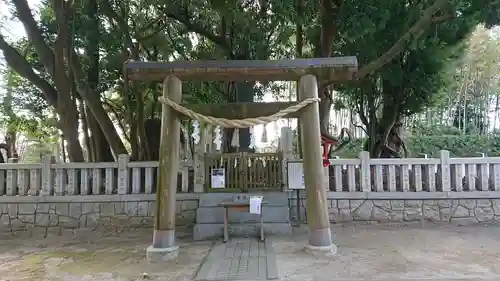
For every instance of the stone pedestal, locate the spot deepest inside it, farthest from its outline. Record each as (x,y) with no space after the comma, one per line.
(323,251)
(161,254)
(210,216)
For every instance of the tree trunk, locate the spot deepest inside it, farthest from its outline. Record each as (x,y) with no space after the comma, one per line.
(134,140)
(102,151)
(329,12)
(65,101)
(299,43)
(324,108)
(10,134)
(92,98)
(384,140)
(85,125)
(153,129)
(245,93)
(19,64)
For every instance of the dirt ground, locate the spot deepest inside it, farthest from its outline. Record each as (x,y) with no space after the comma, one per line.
(369,252)
(375,252)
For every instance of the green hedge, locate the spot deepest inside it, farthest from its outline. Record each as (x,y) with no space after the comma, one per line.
(458,145)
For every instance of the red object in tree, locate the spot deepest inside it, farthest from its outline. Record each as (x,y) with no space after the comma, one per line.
(326,143)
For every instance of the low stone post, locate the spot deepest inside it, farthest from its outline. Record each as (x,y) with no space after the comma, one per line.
(366,182)
(164,247)
(11,178)
(199,167)
(320,237)
(286,143)
(47,175)
(444,169)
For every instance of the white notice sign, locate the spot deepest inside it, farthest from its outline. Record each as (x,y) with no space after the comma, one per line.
(255,205)
(295,175)
(218,178)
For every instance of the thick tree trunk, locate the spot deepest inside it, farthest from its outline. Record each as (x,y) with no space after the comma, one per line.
(69,125)
(102,151)
(244,92)
(91,97)
(65,102)
(153,130)
(19,64)
(134,140)
(394,145)
(329,13)
(325,106)
(384,139)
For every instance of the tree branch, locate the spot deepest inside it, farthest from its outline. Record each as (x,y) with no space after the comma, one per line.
(361,112)
(121,24)
(35,35)
(182,16)
(20,65)
(415,32)
(440,19)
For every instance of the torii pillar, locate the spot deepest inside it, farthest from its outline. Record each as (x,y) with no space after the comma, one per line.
(320,237)
(164,247)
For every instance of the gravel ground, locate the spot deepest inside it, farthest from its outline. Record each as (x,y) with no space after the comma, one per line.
(365,252)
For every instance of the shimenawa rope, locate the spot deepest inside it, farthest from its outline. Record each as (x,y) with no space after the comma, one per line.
(237,123)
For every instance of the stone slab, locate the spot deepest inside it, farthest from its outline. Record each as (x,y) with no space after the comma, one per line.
(216,230)
(269,214)
(239,259)
(161,254)
(213,199)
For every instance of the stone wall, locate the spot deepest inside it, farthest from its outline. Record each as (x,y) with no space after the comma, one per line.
(57,214)
(444,210)
(111,214)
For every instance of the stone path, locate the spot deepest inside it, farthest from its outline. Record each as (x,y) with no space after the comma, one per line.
(239,259)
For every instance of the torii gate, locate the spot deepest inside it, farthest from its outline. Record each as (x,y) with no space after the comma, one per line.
(306,109)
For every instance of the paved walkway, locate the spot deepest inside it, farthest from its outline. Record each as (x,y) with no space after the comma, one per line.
(239,259)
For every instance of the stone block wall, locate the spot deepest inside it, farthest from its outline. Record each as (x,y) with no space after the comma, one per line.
(445,210)
(112,215)
(57,214)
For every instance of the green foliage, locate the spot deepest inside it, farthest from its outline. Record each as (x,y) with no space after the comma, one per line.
(458,145)
(419,77)
(419,129)
(430,140)
(204,30)
(24,110)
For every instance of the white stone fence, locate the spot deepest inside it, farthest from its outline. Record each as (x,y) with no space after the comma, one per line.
(49,178)
(345,178)
(410,175)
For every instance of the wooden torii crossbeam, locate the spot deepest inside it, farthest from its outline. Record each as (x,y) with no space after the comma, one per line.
(336,69)
(326,69)
(305,71)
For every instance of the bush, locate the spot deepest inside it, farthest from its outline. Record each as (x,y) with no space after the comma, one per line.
(458,145)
